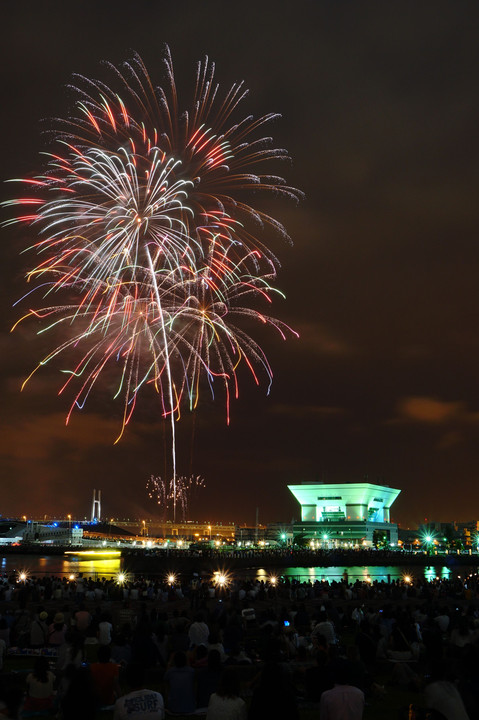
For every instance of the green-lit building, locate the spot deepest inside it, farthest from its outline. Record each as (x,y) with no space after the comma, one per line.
(345,514)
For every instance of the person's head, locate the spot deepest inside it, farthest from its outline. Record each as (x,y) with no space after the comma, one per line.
(271,676)
(214,660)
(179,659)
(343,673)
(213,637)
(40,668)
(201,652)
(104,654)
(229,686)
(135,676)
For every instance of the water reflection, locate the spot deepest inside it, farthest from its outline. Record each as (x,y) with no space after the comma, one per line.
(62,565)
(365,573)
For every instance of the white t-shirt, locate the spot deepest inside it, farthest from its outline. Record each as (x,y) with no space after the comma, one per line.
(104,632)
(444,697)
(198,633)
(224,708)
(342,701)
(140,705)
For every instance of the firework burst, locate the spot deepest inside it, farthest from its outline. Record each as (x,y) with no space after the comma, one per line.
(166,494)
(151,257)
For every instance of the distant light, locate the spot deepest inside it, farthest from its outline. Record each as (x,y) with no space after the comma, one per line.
(273,580)
(172,579)
(55,524)
(221,578)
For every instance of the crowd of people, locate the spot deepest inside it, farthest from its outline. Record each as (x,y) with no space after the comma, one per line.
(237,649)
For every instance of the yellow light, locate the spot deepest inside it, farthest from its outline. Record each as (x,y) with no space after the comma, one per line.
(121,578)
(71,577)
(22,576)
(407,579)
(172,579)
(273,580)
(95,553)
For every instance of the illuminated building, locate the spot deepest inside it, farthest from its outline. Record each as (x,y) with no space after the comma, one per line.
(339,514)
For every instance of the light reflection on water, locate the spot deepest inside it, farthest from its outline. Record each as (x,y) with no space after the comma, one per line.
(364,573)
(62,565)
(109,567)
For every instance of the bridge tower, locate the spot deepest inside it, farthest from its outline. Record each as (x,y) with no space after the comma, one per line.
(96,506)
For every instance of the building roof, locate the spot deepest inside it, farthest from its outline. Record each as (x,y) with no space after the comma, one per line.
(342,494)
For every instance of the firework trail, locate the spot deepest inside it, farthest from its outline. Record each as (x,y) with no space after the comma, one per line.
(150,257)
(163,492)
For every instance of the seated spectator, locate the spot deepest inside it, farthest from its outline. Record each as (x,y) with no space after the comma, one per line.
(71,652)
(214,643)
(343,700)
(82,618)
(325,628)
(121,650)
(39,630)
(198,632)
(273,698)
(79,702)
(225,703)
(207,679)
(140,703)
(199,657)
(442,695)
(57,631)
(40,687)
(105,676)
(105,629)
(180,679)
(318,678)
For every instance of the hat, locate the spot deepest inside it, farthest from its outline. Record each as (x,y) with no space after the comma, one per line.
(43,615)
(59,618)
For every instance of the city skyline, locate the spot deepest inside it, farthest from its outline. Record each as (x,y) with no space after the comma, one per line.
(379,114)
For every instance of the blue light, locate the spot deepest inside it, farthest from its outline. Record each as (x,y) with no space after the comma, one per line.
(55,524)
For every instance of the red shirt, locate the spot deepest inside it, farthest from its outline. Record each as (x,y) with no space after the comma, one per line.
(104,676)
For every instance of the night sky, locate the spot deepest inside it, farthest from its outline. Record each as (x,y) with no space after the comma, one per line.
(380,113)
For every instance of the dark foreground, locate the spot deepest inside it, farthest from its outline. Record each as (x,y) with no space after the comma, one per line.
(398,640)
